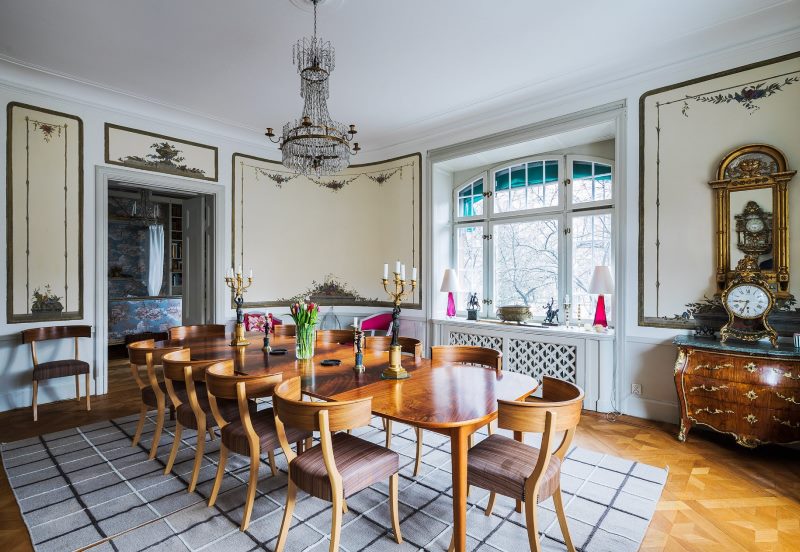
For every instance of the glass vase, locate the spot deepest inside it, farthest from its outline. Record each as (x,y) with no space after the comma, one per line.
(305,338)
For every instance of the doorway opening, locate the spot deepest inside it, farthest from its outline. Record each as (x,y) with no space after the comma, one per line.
(160,253)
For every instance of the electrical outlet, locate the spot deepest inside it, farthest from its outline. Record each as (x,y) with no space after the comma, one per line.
(636,388)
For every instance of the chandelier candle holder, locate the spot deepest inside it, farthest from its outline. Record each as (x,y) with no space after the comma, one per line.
(315,144)
(567,306)
(402,288)
(238,286)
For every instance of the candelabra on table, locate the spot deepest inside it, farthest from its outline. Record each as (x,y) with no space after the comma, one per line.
(358,348)
(238,286)
(395,369)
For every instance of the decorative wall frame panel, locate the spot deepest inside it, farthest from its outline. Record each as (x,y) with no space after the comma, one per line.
(148,151)
(44,215)
(327,238)
(685,131)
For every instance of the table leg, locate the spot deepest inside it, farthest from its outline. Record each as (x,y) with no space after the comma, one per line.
(459,439)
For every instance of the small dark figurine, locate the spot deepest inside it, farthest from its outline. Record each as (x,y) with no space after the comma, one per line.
(551,318)
(472,307)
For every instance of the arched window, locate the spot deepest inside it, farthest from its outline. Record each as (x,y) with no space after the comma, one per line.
(536,234)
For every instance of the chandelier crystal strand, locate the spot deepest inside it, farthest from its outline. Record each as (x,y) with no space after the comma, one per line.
(315,144)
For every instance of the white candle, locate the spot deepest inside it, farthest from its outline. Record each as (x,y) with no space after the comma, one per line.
(239,270)
(414,273)
(251,273)
(566,299)
(230,272)
(397,267)
(402,272)
(355,322)
(385,271)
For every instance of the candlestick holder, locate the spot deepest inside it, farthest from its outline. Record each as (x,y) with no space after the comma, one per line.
(567,320)
(358,345)
(238,286)
(395,369)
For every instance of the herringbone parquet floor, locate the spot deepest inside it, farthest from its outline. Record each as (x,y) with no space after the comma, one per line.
(719,496)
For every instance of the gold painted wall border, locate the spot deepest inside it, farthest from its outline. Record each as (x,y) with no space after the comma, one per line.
(110,161)
(387,304)
(12,318)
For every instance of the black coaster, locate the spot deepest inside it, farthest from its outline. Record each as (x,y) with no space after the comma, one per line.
(278,352)
(331,362)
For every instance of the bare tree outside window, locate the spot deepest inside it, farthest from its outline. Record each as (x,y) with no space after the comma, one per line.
(469,265)
(591,246)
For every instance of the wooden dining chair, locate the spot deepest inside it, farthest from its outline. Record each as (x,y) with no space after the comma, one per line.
(341,465)
(180,372)
(462,354)
(179,333)
(284,330)
(336,336)
(248,432)
(58,368)
(511,468)
(152,390)
(408,346)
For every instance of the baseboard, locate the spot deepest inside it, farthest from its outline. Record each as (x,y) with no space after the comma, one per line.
(49,391)
(651,409)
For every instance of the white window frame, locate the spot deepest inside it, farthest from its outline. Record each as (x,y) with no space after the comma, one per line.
(564,212)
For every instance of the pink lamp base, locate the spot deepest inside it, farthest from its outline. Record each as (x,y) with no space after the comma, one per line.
(451,305)
(600,313)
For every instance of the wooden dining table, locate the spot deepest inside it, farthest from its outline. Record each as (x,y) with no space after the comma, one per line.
(447,398)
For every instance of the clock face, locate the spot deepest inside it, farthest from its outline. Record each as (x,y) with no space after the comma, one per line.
(747,301)
(754,225)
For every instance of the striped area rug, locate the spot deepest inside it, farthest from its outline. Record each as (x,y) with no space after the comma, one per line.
(88,488)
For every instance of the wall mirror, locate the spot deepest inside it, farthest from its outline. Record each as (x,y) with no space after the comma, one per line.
(752,214)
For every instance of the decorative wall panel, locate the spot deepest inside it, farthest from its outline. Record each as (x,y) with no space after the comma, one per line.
(686,130)
(44,215)
(538,359)
(326,238)
(148,151)
(475,340)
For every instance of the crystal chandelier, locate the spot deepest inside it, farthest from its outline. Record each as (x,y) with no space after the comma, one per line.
(315,144)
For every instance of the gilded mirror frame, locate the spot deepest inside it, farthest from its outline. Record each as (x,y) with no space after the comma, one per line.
(745,169)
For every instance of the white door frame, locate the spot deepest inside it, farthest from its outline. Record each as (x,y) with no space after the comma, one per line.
(103,176)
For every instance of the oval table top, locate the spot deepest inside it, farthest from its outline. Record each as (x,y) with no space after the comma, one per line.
(437,395)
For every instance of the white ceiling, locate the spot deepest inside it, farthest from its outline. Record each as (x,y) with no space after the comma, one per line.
(404,68)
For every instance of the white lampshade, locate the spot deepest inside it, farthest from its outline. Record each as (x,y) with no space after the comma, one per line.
(450,281)
(601,283)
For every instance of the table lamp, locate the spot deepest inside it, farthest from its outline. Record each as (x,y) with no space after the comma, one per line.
(601,284)
(450,285)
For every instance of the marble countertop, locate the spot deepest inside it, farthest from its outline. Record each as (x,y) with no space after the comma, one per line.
(731,346)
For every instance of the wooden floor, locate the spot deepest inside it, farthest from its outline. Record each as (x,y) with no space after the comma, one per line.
(719,496)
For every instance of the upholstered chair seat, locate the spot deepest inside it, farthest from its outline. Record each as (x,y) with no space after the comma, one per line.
(60,369)
(234,434)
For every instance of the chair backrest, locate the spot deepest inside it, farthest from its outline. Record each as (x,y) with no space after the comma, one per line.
(176,362)
(284,330)
(191,332)
(559,397)
(336,336)
(222,381)
(342,415)
(139,350)
(408,345)
(55,332)
(468,354)
(381,321)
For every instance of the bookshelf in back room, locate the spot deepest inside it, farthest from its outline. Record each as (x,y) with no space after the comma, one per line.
(176,249)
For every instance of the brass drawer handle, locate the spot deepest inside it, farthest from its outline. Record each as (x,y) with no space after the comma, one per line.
(704,388)
(750,419)
(715,411)
(786,423)
(787,399)
(752,395)
(786,374)
(751,367)
(715,367)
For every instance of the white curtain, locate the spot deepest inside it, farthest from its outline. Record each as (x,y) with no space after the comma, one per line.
(155,264)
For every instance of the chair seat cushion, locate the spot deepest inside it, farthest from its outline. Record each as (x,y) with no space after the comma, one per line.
(228,408)
(502,465)
(235,438)
(360,463)
(60,369)
(149,396)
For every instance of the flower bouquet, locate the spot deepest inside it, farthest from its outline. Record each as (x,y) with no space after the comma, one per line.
(305,320)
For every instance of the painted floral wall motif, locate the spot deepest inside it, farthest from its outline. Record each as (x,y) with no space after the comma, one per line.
(131,317)
(127,251)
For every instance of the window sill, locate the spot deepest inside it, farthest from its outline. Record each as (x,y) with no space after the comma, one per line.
(563,331)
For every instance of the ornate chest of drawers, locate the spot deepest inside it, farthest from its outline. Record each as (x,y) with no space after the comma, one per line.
(751,391)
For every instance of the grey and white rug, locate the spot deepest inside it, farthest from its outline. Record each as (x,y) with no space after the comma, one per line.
(88,488)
